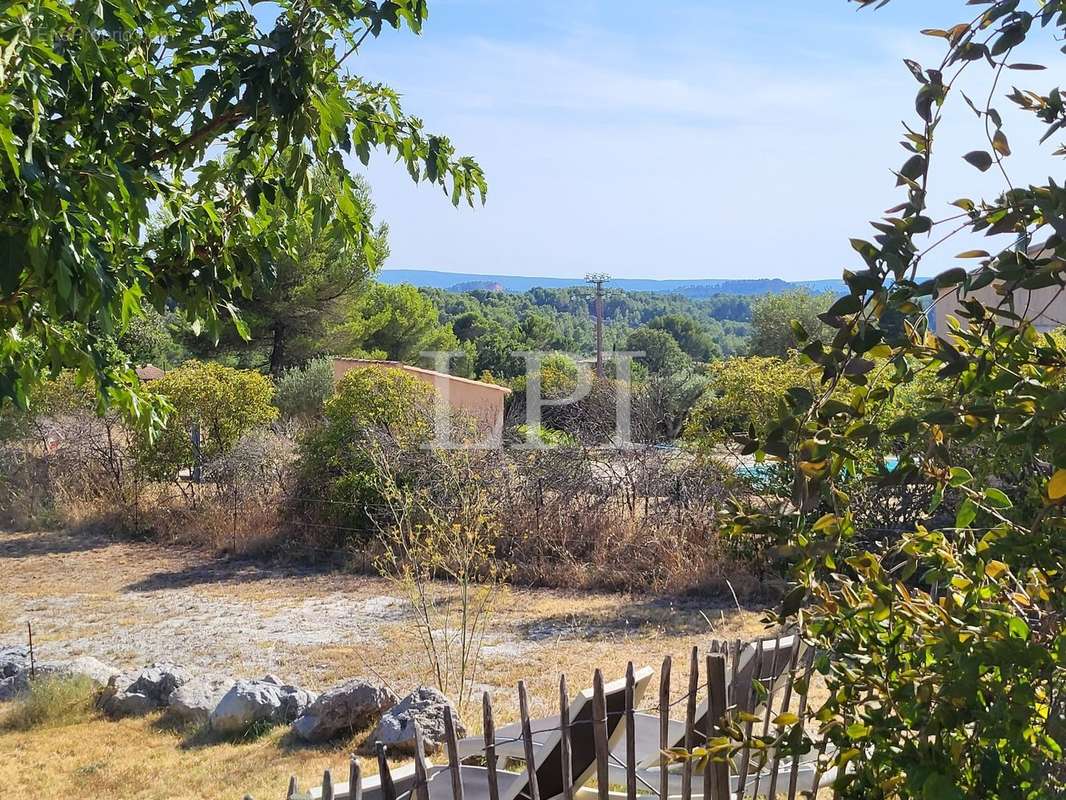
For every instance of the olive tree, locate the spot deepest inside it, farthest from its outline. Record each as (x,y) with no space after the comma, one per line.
(773,316)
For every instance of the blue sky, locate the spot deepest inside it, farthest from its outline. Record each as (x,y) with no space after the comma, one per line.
(672,140)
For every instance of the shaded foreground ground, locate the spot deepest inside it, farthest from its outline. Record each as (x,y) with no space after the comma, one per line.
(129,604)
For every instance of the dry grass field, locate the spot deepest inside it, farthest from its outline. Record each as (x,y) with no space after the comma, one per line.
(130,604)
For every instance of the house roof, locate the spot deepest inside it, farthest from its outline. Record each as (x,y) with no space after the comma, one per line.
(429,373)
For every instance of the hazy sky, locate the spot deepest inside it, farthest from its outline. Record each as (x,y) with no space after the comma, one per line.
(686,139)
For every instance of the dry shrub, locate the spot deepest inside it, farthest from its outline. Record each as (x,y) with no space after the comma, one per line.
(75,470)
(237,507)
(63,467)
(437,522)
(638,519)
(642,519)
(211,524)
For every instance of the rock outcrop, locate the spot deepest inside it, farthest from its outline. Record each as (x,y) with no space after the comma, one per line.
(137,693)
(267,700)
(193,702)
(425,705)
(347,707)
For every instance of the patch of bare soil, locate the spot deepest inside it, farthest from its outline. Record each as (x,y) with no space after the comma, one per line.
(130,603)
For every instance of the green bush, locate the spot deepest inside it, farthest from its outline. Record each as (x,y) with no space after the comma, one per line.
(51,702)
(549,437)
(339,476)
(742,392)
(558,378)
(773,316)
(661,351)
(303,392)
(224,403)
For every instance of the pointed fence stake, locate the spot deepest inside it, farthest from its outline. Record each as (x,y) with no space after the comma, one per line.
(690,721)
(327,785)
(489,725)
(664,728)
(731,697)
(527,743)
(453,754)
(294,787)
(421,773)
(631,735)
(565,754)
(716,774)
(388,788)
(355,779)
(599,735)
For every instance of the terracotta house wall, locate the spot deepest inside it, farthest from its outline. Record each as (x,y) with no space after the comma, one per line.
(481,401)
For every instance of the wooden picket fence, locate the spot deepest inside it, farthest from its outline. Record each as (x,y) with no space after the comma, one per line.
(733,700)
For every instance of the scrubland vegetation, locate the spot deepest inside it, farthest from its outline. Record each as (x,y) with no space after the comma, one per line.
(280,472)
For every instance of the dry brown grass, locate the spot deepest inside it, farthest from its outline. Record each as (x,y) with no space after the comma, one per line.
(140,758)
(143,760)
(77,589)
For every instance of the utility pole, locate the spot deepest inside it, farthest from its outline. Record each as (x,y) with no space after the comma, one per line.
(598,279)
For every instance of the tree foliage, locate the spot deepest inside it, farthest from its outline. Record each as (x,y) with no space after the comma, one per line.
(742,393)
(338,469)
(773,319)
(661,351)
(302,392)
(205,111)
(149,338)
(944,655)
(398,323)
(291,312)
(497,324)
(212,407)
(694,339)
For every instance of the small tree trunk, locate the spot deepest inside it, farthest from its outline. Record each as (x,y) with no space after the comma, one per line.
(277,350)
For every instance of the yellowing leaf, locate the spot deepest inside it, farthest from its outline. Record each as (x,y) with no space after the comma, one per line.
(1056,487)
(993,569)
(826,522)
(787,718)
(999,143)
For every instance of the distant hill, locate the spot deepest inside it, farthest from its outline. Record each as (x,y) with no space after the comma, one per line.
(465,282)
(476,286)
